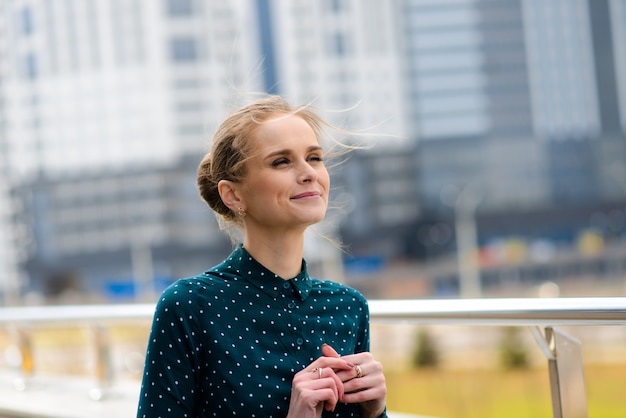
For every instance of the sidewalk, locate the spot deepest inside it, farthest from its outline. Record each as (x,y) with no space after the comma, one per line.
(64,397)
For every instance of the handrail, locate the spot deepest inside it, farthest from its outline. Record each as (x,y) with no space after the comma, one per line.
(496,311)
(75,313)
(562,351)
(505,311)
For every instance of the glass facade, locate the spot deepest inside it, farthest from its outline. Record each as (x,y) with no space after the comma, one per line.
(445,63)
(561,70)
(524,98)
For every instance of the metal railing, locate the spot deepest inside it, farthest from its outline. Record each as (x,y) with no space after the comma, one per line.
(562,351)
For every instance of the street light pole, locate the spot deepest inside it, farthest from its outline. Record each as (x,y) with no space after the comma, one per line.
(617,171)
(142,268)
(466,202)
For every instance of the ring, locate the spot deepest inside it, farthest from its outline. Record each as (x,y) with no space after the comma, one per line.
(359,372)
(319,370)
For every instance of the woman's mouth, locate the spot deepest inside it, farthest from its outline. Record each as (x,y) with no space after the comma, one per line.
(306,195)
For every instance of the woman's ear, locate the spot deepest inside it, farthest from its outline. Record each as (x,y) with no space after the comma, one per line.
(228,192)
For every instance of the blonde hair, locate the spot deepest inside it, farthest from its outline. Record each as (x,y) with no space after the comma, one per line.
(231,148)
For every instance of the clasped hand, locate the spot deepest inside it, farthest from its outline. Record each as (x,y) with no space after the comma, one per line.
(330,379)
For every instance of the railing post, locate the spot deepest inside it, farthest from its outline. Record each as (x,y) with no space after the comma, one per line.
(103,365)
(565,366)
(27,360)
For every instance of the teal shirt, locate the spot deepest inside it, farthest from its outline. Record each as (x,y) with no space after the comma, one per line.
(228,342)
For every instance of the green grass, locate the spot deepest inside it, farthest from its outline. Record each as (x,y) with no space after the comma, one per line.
(510,394)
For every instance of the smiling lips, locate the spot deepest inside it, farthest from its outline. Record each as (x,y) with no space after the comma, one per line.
(306,195)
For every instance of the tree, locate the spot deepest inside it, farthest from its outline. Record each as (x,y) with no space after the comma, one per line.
(426,353)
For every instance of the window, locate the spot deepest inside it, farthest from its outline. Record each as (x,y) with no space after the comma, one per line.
(190,130)
(178,8)
(30,66)
(336,6)
(26,18)
(189,106)
(339,44)
(183,49)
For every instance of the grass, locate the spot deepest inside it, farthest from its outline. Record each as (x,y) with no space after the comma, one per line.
(510,394)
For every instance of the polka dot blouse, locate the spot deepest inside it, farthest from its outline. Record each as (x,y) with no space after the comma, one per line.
(228,342)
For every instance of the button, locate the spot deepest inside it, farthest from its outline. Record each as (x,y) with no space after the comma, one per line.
(291,305)
(300,341)
(286,285)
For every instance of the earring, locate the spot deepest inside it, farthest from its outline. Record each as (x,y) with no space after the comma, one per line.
(241,212)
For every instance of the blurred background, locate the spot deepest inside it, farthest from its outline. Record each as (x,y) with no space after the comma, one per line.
(495,162)
(494,165)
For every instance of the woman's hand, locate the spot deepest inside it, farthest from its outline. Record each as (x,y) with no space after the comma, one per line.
(363,384)
(317,387)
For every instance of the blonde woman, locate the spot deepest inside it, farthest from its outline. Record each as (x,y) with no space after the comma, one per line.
(256,336)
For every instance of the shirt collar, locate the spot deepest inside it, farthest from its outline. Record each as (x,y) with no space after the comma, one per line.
(267,281)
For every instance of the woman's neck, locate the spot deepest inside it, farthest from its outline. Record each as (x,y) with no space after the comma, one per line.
(281,255)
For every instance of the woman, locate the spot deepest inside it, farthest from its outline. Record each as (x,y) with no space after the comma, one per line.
(256,336)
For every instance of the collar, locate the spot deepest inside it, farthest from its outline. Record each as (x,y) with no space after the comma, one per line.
(241,264)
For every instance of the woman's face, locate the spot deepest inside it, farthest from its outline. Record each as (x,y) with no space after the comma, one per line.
(287,182)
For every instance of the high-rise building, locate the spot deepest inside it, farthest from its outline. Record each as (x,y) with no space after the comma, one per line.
(343,56)
(469,99)
(608,30)
(9,252)
(521,103)
(523,97)
(109,84)
(617,16)
(115,85)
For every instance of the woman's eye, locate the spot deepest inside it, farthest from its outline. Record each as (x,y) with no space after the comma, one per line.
(280,161)
(316,158)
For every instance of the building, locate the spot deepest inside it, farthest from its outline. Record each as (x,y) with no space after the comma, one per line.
(113,86)
(123,234)
(93,85)
(343,56)
(10,255)
(518,104)
(514,95)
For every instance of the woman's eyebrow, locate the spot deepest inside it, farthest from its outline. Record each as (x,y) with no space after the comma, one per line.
(279,152)
(287,151)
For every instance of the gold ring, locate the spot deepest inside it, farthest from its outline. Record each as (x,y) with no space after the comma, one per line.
(321,370)
(359,372)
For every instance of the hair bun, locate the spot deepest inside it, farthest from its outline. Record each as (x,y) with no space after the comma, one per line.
(207,185)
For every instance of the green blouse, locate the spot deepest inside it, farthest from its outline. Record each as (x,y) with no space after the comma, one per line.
(228,342)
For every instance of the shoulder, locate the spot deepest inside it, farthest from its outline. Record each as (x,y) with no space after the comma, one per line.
(189,290)
(332,286)
(339,290)
(190,284)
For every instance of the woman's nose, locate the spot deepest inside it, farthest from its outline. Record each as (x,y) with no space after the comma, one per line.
(308,172)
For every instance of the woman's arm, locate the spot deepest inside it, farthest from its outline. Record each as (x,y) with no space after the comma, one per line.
(169,379)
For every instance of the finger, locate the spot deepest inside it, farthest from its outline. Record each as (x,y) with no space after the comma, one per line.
(317,387)
(329,397)
(377,391)
(358,371)
(337,382)
(318,370)
(332,382)
(328,351)
(332,362)
(372,376)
